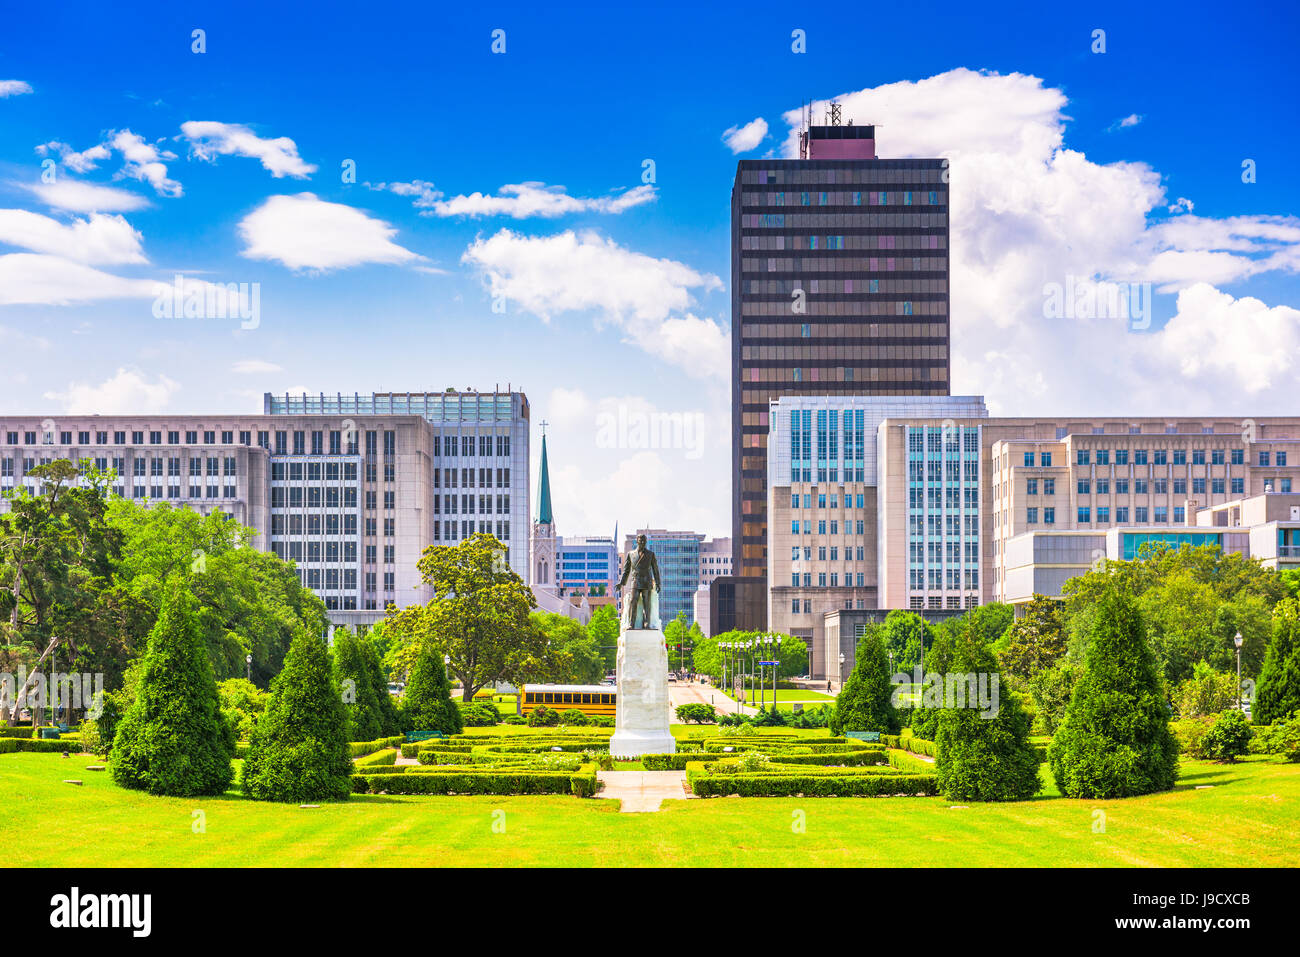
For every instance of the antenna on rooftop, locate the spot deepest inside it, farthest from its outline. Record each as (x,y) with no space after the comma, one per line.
(835,113)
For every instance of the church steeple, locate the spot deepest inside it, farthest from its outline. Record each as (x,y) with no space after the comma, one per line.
(544,489)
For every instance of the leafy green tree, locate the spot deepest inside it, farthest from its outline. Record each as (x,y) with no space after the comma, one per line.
(299,750)
(1206,692)
(56,559)
(865,702)
(479,615)
(252,602)
(1035,641)
(1229,736)
(1194,599)
(603,629)
(1115,739)
(981,757)
(905,634)
(427,704)
(390,721)
(571,655)
(1051,690)
(357,686)
(242,704)
(173,740)
(1278,693)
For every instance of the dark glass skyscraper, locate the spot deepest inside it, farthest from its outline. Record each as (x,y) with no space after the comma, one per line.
(839,285)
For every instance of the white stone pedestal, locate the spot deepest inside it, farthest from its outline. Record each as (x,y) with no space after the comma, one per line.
(642,710)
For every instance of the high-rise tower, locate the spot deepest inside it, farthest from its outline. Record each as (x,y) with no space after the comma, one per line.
(839,286)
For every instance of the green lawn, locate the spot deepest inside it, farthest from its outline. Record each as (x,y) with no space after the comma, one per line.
(1249,818)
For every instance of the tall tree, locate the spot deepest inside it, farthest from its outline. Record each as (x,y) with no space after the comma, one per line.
(1278,693)
(479,615)
(865,702)
(603,629)
(1114,740)
(427,704)
(299,749)
(56,561)
(173,740)
(352,673)
(1034,642)
(983,757)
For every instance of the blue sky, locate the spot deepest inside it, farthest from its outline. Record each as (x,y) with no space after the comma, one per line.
(359,291)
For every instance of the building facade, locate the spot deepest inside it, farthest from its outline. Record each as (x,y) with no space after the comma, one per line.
(839,267)
(952,508)
(350,488)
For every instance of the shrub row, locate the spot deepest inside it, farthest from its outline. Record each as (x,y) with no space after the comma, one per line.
(359,748)
(581,783)
(907,742)
(387,756)
(704,784)
(38,745)
(907,762)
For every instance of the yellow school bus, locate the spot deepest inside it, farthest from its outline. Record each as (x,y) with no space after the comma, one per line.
(589,699)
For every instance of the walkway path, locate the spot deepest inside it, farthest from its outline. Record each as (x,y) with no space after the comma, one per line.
(695,693)
(642,791)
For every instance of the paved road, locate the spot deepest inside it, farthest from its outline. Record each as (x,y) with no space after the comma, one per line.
(679,692)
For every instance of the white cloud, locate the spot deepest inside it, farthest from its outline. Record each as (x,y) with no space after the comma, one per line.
(209,139)
(99,239)
(81,162)
(255,367)
(1132,119)
(79,197)
(517,200)
(742,139)
(144,161)
(304,232)
(1027,211)
(645,297)
(126,392)
(30,279)
(14,88)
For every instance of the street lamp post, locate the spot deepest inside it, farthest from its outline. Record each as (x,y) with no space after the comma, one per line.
(841,669)
(1238,641)
(248,667)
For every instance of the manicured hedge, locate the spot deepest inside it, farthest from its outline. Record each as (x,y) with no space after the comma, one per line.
(467,781)
(907,762)
(18,731)
(38,745)
(386,756)
(808,784)
(908,743)
(359,748)
(857,758)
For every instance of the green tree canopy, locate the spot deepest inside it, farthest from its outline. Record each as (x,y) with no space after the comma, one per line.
(357,686)
(427,704)
(299,749)
(1278,693)
(983,756)
(1114,740)
(865,703)
(173,739)
(479,615)
(1035,641)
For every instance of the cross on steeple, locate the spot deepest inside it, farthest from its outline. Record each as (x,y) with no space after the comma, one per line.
(544,425)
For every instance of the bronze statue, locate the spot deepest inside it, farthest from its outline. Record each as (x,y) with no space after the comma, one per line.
(643,568)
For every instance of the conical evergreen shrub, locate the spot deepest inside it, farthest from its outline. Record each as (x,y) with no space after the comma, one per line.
(865,703)
(1278,692)
(978,757)
(299,748)
(1114,740)
(173,739)
(426,703)
(390,722)
(356,685)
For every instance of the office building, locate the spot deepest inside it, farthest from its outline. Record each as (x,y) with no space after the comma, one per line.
(351,488)
(839,267)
